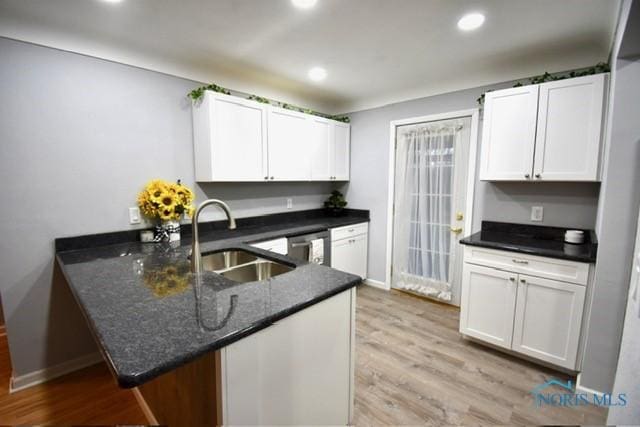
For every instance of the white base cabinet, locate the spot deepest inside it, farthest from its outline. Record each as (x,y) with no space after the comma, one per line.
(349,249)
(531,315)
(298,371)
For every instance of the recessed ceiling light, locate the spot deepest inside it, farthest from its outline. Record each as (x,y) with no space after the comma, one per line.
(304,4)
(112,1)
(317,74)
(471,21)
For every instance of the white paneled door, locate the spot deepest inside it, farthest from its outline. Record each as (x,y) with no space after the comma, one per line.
(488,304)
(547,320)
(289,153)
(569,129)
(509,134)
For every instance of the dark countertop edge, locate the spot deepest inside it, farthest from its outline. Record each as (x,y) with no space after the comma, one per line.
(134,380)
(90,323)
(529,251)
(89,241)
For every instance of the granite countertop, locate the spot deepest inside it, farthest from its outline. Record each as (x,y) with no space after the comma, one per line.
(534,240)
(150,315)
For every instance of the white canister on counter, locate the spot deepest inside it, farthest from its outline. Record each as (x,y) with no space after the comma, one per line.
(574,236)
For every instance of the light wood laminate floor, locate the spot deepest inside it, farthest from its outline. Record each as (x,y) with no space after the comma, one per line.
(413,367)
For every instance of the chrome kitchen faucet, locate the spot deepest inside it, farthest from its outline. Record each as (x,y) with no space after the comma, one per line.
(196,256)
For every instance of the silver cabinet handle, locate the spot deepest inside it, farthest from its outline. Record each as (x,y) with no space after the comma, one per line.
(538,176)
(523,281)
(519,261)
(526,175)
(351,230)
(271,177)
(512,279)
(266,177)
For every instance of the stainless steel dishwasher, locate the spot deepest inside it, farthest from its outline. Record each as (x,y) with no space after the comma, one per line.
(299,246)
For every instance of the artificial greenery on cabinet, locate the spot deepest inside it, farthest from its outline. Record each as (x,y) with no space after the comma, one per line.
(198,93)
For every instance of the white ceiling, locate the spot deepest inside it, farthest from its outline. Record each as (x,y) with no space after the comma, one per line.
(375,51)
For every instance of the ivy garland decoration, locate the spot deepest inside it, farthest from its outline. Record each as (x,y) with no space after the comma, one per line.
(198,93)
(599,68)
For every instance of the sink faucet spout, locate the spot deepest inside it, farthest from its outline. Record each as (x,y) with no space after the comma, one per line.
(196,257)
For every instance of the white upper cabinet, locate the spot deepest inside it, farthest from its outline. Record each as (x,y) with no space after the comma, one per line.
(341,149)
(509,133)
(230,139)
(569,129)
(546,132)
(241,140)
(321,149)
(289,145)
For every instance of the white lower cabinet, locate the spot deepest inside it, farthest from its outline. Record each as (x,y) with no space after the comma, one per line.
(547,320)
(534,316)
(349,249)
(298,371)
(488,304)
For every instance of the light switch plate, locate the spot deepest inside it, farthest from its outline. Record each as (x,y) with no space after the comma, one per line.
(289,203)
(134,216)
(537,213)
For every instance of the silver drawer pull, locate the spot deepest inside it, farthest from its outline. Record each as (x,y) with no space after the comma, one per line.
(519,261)
(351,230)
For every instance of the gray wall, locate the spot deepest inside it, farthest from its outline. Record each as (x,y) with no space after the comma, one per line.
(78,138)
(618,217)
(565,204)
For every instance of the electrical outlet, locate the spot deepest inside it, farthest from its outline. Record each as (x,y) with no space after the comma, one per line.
(537,213)
(134,216)
(289,203)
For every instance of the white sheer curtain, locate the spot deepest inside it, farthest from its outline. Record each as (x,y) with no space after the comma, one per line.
(424,180)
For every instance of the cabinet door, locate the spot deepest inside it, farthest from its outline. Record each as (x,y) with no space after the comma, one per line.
(289,153)
(230,139)
(508,134)
(350,255)
(488,304)
(569,129)
(295,372)
(341,151)
(321,139)
(548,319)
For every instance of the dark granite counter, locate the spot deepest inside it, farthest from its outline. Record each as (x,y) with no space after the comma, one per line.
(150,315)
(533,240)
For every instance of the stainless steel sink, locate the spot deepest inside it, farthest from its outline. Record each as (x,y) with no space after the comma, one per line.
(242,267)
(261,270)
(227,259)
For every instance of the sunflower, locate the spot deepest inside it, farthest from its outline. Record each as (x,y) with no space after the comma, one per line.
(165,200)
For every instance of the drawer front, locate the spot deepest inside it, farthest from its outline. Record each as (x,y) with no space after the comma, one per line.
(278,246)
(551,268)
(349,231)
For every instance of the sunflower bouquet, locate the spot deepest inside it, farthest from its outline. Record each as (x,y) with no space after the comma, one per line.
(167,202)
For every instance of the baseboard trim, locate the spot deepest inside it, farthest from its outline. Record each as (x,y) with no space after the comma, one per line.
(586,390)
(38,377)
(375,283)
(148,413)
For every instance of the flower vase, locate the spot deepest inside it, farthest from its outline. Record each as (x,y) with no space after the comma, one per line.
(168,231)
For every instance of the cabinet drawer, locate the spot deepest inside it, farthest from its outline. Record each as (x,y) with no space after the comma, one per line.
(349,231)
(551,268)
(278,246)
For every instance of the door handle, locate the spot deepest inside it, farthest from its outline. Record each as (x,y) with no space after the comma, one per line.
(456,230)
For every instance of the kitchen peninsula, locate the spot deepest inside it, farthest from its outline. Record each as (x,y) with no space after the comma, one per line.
(211,350)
